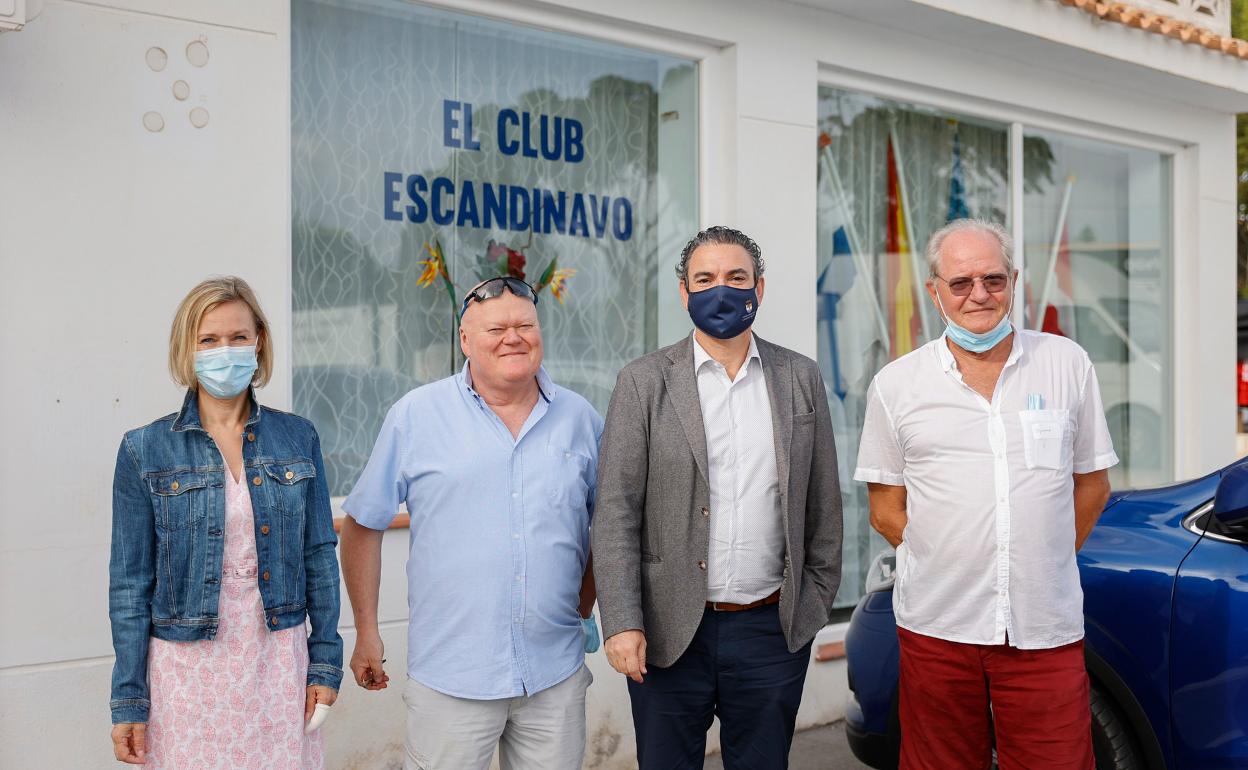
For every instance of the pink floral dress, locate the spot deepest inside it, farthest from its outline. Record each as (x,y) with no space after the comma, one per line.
(235,701)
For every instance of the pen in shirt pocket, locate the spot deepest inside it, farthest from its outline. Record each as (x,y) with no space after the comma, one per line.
(1035,401)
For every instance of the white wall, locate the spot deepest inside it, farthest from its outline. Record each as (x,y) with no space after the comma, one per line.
(104,225)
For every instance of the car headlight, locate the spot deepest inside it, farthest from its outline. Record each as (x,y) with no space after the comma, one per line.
(883,571)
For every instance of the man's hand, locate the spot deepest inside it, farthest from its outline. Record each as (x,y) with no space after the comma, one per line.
(130,742)
(626,652)
(318,693)
(367,660)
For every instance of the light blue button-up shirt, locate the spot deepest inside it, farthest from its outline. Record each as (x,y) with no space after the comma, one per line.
(499,533)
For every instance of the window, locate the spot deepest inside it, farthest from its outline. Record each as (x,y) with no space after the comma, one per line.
(1098,266)
(890,175)
(419,134)
(1095,252)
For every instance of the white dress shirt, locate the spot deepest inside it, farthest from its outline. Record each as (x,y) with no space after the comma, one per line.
(746,560)
(989,545)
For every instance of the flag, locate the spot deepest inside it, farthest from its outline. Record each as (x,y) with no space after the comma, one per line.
(1059,314)
(957,185)
(835,280)
(903,319)
(852,332)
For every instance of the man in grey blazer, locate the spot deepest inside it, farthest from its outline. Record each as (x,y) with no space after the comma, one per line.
(717,535)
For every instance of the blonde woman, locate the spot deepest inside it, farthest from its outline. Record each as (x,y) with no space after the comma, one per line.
(223,545)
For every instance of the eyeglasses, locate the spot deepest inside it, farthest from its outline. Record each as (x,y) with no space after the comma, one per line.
(494,287)
(963,285)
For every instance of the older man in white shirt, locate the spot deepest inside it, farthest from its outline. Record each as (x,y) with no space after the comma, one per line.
(985,453)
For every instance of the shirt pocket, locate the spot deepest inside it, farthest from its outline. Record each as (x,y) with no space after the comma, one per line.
(565,472)
(179,499)
(1047,438)
(290,480)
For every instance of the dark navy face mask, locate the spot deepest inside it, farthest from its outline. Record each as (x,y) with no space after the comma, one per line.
(723,311)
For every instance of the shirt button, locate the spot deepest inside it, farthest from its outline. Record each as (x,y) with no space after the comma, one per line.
(515,494)
(519,578)
(265,575)
(256,481)
(701,565)
(251,436)
(515,537)
(264,529)
(706,512)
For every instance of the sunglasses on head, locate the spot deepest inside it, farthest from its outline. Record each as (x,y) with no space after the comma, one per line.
(964,285)
(496,286)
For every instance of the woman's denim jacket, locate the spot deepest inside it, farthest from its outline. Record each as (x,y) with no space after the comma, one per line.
(168,539)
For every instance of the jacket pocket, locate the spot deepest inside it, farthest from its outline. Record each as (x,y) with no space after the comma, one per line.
(179,499)
(290,481)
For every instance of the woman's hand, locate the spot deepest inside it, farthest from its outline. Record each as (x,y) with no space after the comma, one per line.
(318,693)
(130,742)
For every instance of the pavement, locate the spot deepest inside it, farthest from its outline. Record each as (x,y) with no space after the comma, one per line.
(819,748)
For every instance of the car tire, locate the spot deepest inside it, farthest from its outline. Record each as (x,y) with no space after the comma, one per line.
(1112,742)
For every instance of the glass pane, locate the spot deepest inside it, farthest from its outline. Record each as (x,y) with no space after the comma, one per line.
(890,175)
(1097,226)
(418,133)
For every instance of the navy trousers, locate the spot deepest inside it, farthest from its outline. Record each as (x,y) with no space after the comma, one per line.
(738,667)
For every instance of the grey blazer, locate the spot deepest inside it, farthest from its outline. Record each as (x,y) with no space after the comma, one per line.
(651,519)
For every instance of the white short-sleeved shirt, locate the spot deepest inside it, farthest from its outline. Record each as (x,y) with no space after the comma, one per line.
(989,545)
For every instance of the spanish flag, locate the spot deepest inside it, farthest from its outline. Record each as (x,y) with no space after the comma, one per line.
(904,323)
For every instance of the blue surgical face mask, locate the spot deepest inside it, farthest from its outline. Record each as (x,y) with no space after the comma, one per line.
(975,342)
(225,371)
(723,311)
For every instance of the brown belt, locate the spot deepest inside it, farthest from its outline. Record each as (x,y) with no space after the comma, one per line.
(730,607)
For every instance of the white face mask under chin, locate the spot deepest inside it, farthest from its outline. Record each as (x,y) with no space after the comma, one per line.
(976,342)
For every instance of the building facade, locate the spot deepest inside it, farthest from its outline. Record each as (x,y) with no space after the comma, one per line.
(360,162)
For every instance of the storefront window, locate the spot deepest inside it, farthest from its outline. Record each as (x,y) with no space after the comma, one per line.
(890,175)
(1097,255)
(432,150)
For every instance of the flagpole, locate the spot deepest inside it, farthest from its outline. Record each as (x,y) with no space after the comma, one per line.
(1047,284)
(855,246)
(924,310)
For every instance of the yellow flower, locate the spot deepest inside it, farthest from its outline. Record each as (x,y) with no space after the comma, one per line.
(428,274)
(558,282)
(434,266)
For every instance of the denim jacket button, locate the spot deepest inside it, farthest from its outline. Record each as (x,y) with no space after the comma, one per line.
(264,529)
(174,486)
(273,621)
(251,436)
(256,481)
(265,575)
(290,475)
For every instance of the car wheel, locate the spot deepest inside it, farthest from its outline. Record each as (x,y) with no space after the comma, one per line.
(1112,742)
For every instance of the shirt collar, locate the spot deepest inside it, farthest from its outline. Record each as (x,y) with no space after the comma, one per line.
(947,361)
(188,415)
(700,356)
(545,385)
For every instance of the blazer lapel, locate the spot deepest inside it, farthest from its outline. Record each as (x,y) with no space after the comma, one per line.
(682,388)
(778,373)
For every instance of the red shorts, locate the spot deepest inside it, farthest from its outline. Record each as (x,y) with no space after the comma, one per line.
(1038,700)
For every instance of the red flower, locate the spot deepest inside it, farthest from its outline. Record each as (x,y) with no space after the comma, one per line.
(515,264)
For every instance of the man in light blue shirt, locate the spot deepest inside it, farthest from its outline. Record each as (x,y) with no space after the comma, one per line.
(497,468)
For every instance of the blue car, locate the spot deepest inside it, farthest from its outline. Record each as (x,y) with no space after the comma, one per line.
(1165,582)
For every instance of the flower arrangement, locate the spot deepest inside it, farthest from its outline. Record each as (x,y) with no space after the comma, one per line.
(499,260)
